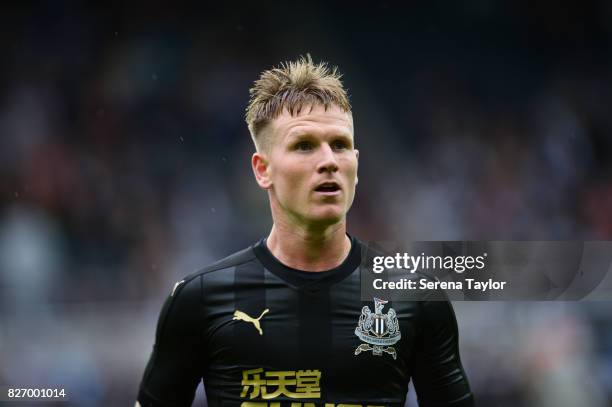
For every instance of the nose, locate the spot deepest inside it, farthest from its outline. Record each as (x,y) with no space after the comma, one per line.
(328,162)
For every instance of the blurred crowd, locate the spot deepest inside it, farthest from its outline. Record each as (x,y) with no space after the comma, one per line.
(125,165)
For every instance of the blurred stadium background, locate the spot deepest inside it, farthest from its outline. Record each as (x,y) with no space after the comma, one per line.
(124,165)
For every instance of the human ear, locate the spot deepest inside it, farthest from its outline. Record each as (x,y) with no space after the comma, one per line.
(261,170)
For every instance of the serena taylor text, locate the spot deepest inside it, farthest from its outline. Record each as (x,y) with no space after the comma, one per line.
(424,284)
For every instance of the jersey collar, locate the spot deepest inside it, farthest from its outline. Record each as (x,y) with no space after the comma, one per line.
(309,280)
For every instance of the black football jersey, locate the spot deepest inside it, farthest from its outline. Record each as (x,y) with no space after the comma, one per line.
(262,334)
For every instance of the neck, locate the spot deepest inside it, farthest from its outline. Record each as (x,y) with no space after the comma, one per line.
(309,249)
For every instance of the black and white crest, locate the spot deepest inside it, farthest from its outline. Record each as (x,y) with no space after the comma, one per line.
(378,330)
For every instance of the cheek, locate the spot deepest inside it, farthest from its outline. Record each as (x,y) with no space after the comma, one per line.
(351,169)
(290,177)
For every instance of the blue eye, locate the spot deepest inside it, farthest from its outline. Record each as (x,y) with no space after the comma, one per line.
(339,145)
(304,146)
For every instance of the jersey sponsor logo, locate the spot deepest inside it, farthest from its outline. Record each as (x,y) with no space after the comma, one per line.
(300,384)
(176,285)
(242,316)
(378,330)
(260,385)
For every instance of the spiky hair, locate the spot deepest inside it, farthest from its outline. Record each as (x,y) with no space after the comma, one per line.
(293,85)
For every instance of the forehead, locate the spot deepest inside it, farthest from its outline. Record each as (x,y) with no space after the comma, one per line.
(314,121)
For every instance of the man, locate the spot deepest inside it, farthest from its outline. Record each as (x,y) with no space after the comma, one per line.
(282,322)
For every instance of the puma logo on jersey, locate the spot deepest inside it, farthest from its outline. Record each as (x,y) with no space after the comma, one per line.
(241,316)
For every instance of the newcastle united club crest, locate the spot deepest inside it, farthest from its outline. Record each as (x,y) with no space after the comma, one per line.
(378,330)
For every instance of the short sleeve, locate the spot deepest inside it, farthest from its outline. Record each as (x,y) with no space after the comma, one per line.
(438,376)
(176,363)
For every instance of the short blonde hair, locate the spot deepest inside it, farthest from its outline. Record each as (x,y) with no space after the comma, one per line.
(293,86)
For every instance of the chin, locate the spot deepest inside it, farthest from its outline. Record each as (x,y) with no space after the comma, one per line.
(328,217)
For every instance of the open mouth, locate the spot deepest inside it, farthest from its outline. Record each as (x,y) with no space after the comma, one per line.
(328,187)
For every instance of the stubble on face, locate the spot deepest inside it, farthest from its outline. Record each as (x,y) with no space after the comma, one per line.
(303,152)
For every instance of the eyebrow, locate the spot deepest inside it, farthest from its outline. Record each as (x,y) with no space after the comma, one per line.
(301,134)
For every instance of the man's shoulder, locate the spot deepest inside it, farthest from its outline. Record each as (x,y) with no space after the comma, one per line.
(214,271)
(233,260)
